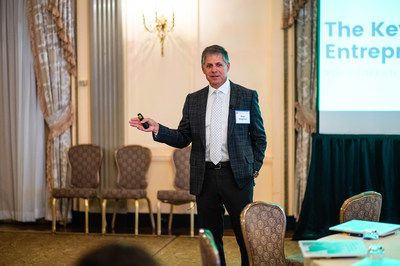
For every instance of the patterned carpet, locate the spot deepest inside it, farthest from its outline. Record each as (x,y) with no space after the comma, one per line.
(65,248)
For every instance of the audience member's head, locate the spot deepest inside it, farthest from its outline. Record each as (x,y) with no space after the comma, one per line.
(118,255)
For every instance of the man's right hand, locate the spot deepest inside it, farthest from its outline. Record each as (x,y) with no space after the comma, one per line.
(153,125)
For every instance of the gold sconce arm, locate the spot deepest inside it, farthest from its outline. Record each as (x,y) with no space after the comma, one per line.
(162,26)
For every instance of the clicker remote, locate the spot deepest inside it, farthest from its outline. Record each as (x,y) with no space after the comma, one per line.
(145,124)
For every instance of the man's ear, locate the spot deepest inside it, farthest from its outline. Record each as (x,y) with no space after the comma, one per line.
(228,66)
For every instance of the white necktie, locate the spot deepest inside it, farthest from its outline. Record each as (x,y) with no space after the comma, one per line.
(216,129)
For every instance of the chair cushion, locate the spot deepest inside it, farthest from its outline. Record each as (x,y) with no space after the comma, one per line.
(123,193)
(74,192)
(182,168)
(175,196)
(133,162)
(85,162)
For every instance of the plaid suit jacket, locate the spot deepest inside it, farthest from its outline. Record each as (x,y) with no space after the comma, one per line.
(246,142)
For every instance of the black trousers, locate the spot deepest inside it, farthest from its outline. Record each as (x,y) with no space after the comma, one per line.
(220,191)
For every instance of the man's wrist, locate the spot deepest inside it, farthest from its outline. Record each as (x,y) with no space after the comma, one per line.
(156,129)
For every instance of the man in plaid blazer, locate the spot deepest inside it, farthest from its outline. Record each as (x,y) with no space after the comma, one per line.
(228,183)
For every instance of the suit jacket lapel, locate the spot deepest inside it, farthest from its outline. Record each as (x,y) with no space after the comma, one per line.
(233,102)
(202,114)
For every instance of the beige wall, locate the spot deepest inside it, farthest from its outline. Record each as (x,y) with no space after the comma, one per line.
(157,86)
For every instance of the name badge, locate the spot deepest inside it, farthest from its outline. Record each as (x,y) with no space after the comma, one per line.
(242,117)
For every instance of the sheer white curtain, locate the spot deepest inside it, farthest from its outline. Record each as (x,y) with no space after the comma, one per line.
(22,155)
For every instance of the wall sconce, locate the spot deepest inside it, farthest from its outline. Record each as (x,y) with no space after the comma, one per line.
(162,26)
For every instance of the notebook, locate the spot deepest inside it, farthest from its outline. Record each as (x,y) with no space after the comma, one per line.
(382,262)
(358,227)
(332,248)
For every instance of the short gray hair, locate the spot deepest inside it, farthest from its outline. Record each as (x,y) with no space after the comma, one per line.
(214,49)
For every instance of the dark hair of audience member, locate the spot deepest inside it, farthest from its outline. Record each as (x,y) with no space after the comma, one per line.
(118,255)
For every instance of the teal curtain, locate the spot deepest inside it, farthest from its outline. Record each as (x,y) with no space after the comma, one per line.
(343,166)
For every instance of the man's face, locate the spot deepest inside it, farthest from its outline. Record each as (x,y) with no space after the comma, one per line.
(215,69)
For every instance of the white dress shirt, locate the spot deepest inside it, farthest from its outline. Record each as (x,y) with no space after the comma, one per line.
(226,91)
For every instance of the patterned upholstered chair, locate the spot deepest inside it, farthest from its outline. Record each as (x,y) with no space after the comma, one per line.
(208,249)
(84,166)
(133,162)
(263,227)
(180,195)
(364,206)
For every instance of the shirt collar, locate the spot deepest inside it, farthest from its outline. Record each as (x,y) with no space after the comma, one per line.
(224,88)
